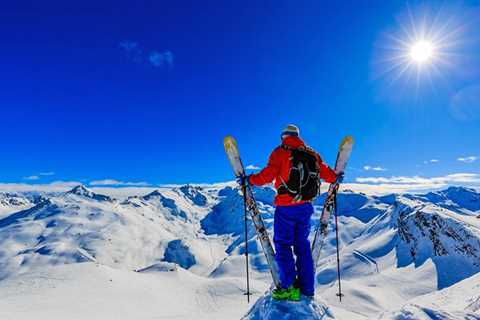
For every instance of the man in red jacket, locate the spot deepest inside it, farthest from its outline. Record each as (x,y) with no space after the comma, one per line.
(292,218)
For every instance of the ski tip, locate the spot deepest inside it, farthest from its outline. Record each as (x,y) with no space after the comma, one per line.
(228,139)
(347,140)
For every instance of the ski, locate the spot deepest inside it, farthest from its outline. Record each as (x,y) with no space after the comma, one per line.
(329,205)
(231,149)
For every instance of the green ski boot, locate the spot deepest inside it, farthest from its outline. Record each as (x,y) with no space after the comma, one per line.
(280,294)
(292,294)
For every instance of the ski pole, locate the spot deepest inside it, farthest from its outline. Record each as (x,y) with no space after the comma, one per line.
(339,294)
(244,187)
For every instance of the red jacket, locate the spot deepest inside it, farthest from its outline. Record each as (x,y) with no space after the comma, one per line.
(278,168)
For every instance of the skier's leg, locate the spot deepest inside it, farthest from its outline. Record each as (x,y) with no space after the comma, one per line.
(297,260)
(302,250)
(283,227)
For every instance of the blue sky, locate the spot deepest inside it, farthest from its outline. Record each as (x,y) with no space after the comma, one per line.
(143,93)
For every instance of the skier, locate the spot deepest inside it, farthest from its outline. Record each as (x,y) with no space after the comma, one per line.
(292,214)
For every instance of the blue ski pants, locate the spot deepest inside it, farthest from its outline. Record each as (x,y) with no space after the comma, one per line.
(291,229)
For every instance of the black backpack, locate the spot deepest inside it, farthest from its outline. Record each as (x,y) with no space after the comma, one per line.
(304,179)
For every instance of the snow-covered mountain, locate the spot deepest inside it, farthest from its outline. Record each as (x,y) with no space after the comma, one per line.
(12,202)
(401,255)
(81,226)
(460,301)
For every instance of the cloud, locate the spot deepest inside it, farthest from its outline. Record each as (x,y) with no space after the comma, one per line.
(252,167)
(457,177)
(431,161)
(38,176)
(370,168)
(469,159)
(132,49)
(403,184)
(160,59)
(128,45)
(113,182)
(368,185)
(64,186)
(153,58)
(56,186)
(34,177)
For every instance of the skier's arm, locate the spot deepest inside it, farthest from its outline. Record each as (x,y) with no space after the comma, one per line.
(326,173)
(268,173)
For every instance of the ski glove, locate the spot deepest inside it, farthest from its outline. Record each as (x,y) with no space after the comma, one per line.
(243,180)
(340,177)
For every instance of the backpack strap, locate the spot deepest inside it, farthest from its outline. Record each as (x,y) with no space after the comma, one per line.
(305,148)
(283,187)
(312,151)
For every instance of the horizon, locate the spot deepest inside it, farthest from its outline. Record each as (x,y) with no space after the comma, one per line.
(118,192)
(142,96)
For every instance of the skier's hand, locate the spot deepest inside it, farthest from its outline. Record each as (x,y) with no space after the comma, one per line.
(242,180)
(340,177)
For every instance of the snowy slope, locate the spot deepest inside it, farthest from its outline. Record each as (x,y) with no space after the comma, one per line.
(394,250)
(410,250)
(460,199)
(12,202)
(460,301)
(98,292)
(81,226)
(267,308)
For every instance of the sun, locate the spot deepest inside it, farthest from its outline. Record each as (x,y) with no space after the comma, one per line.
(425,46)
(422,52)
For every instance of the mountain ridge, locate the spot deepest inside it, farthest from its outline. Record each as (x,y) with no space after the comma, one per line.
(407,237)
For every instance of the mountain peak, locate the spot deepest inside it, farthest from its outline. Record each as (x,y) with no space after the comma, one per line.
(194,194)
(153,194)
(83,191)
(456,189)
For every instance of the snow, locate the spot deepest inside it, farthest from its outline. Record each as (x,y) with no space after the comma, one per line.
(94,291)
(460,301)
(12,202)
(267,308)
(176,252)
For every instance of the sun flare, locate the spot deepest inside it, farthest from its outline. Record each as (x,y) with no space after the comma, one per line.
(421,52)
(424,47)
